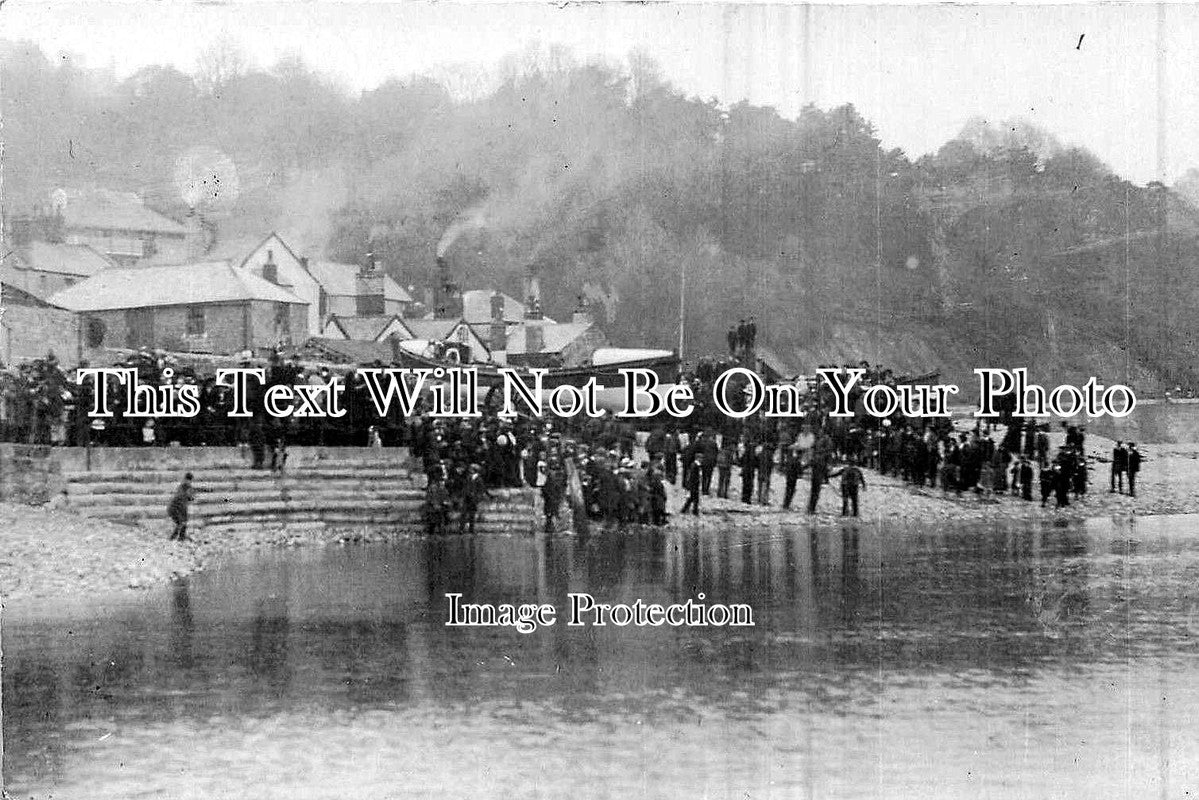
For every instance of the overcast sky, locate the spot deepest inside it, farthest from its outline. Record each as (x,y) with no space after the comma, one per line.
(918,72)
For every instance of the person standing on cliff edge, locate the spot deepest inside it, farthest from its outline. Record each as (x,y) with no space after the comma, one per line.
(177,509)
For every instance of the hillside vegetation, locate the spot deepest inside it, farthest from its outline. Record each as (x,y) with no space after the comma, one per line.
(1003,248)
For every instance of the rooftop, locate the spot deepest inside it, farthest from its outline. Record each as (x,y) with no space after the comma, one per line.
(476,307)
(171,285)
(558,336)
(368,329)
(64,259)
(341,280)
(110,210)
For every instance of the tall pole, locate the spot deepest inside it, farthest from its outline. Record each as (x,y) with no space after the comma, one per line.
(4,340)
(682,302)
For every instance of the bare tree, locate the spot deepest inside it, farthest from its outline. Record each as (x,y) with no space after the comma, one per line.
(219,63)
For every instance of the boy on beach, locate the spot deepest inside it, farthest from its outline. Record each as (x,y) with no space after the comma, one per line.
(177,509)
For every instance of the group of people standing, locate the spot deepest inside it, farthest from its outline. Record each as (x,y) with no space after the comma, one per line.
(744,337)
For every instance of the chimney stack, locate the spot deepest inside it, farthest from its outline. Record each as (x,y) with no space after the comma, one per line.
(532,293)
(534,333)
(270,270)
(447,301)
(369,299)
(195,239)
(582,313)
(498,335)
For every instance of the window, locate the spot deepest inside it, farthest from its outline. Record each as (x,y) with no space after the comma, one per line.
(195,321)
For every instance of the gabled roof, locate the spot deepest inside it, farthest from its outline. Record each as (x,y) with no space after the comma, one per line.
(170,285)
(433,330)
(341,280)
(369,329)
(123,211)
(557,337)
(79,260)
(272,235)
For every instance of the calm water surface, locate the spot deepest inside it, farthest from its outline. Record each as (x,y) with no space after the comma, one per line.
(911,663)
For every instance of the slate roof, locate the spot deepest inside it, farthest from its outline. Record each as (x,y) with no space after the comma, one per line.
(122,211)
(64,259)
(172,285)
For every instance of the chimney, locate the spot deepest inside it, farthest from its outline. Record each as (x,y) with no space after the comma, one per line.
(270,270)
(582,313)
(447,299)
(534,332)
(497,338)
(368,289)
(532,293)
(195,239)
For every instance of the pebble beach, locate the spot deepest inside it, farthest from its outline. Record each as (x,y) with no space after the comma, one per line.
(47,553)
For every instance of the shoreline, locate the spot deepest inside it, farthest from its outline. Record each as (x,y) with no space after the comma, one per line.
(48,554)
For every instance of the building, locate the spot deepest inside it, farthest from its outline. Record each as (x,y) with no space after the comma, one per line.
(118,225)
(207,307)
(352,291)
(273,260)
(43,268)
(367,329)
(554,344)
(32,328)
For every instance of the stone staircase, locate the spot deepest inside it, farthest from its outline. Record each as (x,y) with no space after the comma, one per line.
(334,493)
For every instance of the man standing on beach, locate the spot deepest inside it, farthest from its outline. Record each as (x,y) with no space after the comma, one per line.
(1025,478)
(691,482)
(1119,466)
(1134,467)
(177,509)
(474,489)
(851,481)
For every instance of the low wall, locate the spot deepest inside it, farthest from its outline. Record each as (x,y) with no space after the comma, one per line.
(29,473)
(34,473)
(113,459)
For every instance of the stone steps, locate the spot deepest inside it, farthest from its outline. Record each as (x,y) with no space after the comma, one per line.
(206,497)
(328,496)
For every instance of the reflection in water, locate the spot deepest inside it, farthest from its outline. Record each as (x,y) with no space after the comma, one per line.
(1002,662)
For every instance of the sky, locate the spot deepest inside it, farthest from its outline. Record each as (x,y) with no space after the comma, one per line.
(1086,73)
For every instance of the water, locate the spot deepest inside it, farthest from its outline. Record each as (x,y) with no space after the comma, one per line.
(909,663)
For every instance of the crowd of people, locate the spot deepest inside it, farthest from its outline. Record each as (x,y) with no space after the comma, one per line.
(588,464)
